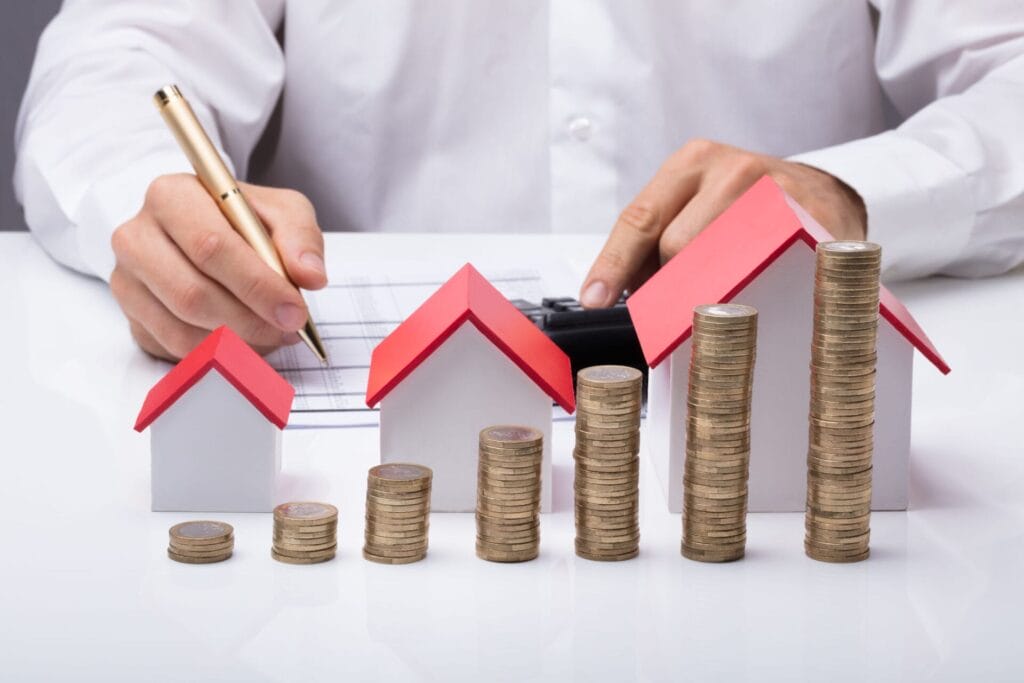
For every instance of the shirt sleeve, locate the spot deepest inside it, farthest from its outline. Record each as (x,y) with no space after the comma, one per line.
(944,190)
(89,139)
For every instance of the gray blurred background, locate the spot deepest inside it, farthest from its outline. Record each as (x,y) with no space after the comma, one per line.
(21,22)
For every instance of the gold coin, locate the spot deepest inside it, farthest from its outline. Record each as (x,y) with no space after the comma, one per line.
(306,512)
(288,559)
(401,472)
(383,559)
(598,557)
(313,555)
(495,556)
(201,550)
(608,376)
(201,532)
(187,559)
(302,549)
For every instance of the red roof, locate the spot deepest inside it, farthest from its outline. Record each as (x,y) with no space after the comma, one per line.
(468,296)
(725,257)
(225,352)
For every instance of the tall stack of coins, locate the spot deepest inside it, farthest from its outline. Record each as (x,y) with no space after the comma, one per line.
(397,513)
(305,533)
(201,542)
(607,484)
(718,432)
(508,494)
(842,413)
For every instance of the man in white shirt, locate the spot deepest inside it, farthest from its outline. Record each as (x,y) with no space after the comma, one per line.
(896,117)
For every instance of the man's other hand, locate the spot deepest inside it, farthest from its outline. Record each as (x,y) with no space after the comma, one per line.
(182,270)
(692,188)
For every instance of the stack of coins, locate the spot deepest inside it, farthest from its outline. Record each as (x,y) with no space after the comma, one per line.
(305,533)
(842,413)
(718,432)
(607,483)
(397,513)
(201,542)
(508,494)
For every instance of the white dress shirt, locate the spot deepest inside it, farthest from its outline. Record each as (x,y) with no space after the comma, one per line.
(535,115)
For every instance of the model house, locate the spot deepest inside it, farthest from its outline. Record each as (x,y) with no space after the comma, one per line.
(760,252)
(464,360)
(215,429)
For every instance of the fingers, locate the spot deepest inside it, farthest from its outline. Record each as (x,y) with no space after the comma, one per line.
(149,258)
(151,321)
(291,220)
(721,186)
(647,269)
(195,225)
(636,234)
(148,342)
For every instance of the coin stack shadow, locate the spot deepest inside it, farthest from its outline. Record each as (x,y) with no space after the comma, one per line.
(842,411)
(305,532)
(397,513)
(607,463)
(508,493)
(718,432)
(201,542)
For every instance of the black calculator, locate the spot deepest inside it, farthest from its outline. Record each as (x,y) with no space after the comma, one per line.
(589,336)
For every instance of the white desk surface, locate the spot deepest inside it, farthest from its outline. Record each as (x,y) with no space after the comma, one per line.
(87,593)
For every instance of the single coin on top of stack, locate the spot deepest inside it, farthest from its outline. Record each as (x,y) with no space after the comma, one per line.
(508,493)
(718,432)
(397,513)
(305,532)
(607,463)
(842,412)
(201,542)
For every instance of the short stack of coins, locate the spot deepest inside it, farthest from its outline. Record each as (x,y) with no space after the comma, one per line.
(305,532)
(508,493)
(842,412)
(718,432)
(201,542)
(397,513)
(607,463)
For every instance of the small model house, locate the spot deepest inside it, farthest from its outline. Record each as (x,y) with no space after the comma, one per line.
(760,252)
(464,360)
(215,429)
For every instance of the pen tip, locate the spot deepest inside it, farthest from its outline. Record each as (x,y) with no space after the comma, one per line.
(312,340)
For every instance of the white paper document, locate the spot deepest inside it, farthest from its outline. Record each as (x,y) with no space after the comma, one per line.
(353,314)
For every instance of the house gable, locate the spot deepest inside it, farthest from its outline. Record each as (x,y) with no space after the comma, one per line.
(236,362)
(468,297)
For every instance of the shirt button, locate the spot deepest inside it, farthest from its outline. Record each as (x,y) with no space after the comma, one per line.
(580,128)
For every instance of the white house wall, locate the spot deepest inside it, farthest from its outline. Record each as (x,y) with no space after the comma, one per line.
(783,295)
(656,439)
(434,416)
(212,451)
(893,401)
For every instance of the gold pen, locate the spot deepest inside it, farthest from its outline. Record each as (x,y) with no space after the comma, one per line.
(222,186)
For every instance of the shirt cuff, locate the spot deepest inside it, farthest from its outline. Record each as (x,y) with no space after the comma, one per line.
(919,205)
(112,200)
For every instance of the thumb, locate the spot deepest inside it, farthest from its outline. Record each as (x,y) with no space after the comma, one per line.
(291,220)
(633,241)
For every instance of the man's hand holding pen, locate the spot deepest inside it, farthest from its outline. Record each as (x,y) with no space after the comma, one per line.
(182,270)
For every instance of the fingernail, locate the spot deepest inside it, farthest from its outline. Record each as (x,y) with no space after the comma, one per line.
(290,316)
(289,338)
(594,295)
(313,260)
